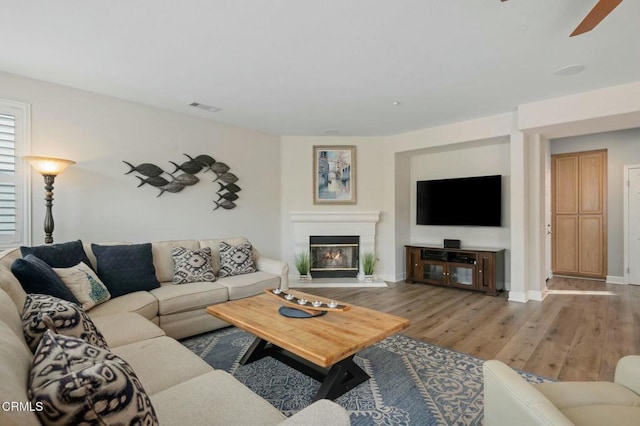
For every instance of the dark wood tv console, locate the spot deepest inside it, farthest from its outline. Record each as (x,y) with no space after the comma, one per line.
(479,269)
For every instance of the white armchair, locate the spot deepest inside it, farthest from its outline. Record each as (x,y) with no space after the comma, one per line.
(510,400)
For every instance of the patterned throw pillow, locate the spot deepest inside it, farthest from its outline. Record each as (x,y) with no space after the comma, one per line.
(190,266)
(84,284)
(236,260)
(78,383)
(68,318)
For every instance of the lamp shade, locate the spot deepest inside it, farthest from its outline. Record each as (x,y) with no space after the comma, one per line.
(48,165)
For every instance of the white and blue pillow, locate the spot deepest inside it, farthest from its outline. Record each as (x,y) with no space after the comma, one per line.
(84,284)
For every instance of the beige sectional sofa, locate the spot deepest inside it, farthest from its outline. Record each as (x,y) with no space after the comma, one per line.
(180,309)
(182,387)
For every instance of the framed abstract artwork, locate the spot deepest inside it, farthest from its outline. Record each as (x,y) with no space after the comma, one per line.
(334,174)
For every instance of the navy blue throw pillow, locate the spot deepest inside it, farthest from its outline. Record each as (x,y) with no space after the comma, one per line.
(37,277)
(64,255)
(126,268)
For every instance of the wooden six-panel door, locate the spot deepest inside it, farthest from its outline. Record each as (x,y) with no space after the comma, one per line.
(579,214)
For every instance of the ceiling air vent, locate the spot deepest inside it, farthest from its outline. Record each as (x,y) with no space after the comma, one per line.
(205,107)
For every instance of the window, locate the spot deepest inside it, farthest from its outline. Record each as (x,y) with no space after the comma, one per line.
(14,174)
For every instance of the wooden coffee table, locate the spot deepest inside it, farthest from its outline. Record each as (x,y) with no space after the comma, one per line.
(322,347)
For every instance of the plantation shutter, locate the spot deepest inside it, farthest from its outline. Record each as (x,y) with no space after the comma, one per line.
(13,184)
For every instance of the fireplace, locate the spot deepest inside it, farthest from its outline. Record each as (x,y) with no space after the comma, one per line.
(361,225)
(334,256)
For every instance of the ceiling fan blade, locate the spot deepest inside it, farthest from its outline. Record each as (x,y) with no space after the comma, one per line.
(597,14)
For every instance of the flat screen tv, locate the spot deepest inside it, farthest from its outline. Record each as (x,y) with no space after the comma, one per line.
(469,201)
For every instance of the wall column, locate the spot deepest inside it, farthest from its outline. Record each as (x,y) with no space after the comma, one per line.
(519,219)
(537,288)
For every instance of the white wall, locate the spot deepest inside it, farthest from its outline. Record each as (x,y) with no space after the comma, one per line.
(96,201)
(297,181)
(488,159)
(623,148)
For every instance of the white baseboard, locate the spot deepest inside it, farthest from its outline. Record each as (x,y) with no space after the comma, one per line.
(538,296)
(335,282)
(612,279)
(518,296)
(392,278)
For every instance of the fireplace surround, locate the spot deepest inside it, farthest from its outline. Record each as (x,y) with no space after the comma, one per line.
(335,223)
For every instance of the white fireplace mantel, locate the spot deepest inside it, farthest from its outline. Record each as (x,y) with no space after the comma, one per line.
(335,217)
(362,224)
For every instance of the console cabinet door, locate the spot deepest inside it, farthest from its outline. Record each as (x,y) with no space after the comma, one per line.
(414,265)
(486,272)
(434,272)
(461,275)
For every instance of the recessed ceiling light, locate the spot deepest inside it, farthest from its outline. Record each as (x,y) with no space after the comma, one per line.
(570,70)
(205,107)
(332,132)
(395,103)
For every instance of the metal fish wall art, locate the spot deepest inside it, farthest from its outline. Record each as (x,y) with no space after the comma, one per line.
(153,181)
(147,169)
(231,196)
(192,167)
(227,177)
(225,204)
(174,187)
(232,187)
(187,179)
(172,183)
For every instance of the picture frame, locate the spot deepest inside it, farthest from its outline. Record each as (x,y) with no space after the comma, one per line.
(334,174)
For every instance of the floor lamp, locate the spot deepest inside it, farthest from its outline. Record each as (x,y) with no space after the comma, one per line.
(49,168)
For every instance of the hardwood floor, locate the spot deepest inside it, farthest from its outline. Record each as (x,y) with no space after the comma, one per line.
(578,332)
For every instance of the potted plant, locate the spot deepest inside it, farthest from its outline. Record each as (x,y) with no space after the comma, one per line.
(303,265)
(368,265)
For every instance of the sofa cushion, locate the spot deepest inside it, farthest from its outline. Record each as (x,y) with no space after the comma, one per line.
(171,363)
(241,286)
(190,266)
(598,415)
(234,403)
(236,260)
(125,328)
(38,277)
(190,323)
(186,297)
(126,268)
(163,258)
(572,394)
(10,284)
(140,302)
(80,383)
(15,363)
(10,315)
(67,317)
(63,255)
(84,284)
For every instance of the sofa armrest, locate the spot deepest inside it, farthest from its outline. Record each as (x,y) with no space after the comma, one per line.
(320,413)
(510,400)
(275,267)
(628,373)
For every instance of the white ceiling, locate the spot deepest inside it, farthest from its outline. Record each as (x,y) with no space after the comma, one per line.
(306,67)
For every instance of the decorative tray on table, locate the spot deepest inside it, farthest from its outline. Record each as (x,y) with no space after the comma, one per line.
(312,308)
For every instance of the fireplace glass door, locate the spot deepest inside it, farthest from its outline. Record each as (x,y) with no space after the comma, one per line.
(334,256)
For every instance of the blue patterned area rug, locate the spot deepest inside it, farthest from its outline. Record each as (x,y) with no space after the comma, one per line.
(412,382)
